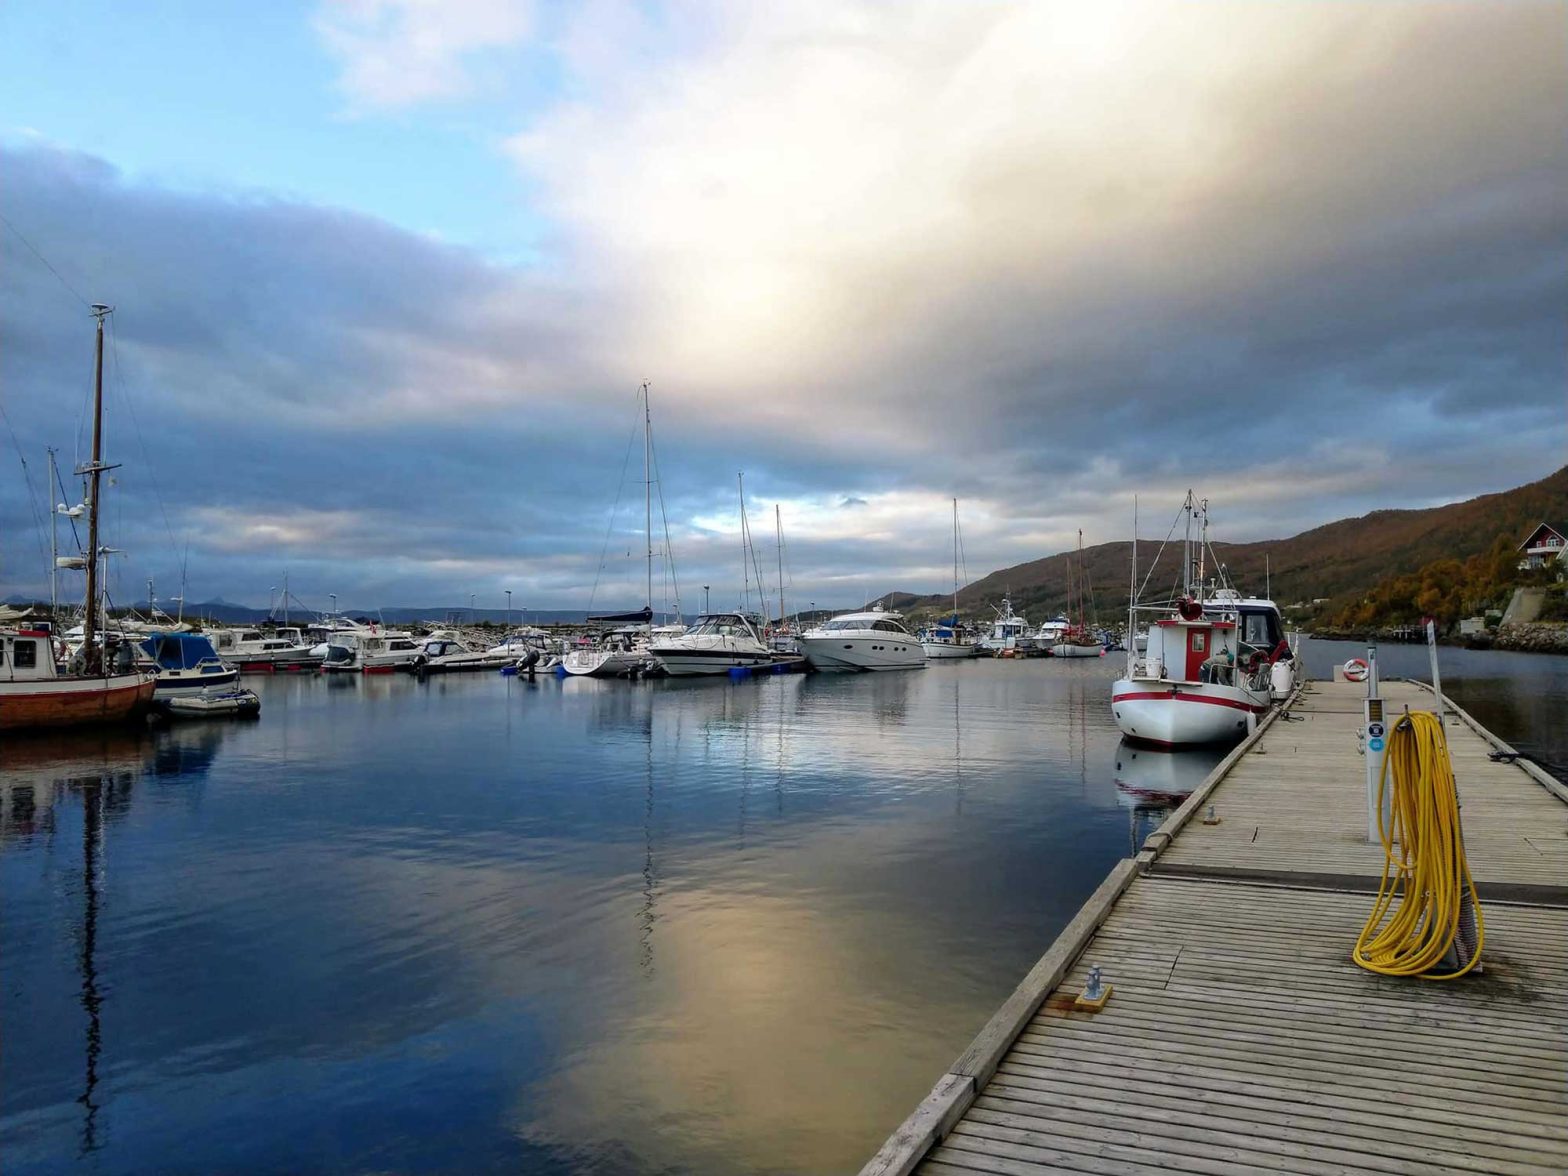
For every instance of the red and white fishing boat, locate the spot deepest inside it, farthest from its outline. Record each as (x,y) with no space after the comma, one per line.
(1215,663)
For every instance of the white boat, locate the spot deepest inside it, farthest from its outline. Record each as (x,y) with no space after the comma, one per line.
(369,651)
(618,653)
(1050,632)
(871,640)
(716,644)
(1010,636)
(251,650)
(185,663)
(947,640)
(1216,662)
(446,653)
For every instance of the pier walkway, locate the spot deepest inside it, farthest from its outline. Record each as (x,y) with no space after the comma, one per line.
(1240,1037)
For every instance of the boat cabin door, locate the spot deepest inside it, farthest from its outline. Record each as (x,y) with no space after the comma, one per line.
(1198,639)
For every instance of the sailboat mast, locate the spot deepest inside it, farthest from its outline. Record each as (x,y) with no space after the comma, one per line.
(647,488)
(1186,550)
(745,570)
(1132,594)
(778,528)
(54,545)
(955,565)
(94,473)
(285,596)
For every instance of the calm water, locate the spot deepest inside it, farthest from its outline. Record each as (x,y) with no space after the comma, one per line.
(482,924)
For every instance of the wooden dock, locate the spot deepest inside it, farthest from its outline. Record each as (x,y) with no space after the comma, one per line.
(1240,1037)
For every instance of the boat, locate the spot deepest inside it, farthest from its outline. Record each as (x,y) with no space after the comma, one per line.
(1010,636)
(1079,639)
(184,663)
(950,639)
(1216,660)
(872,640)
(368,650)
(624,650)
(232,702)
(716,644)
(1050,632)
(447,653)
(102,683)
(264,650)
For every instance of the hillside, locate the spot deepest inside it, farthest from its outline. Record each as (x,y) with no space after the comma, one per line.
(1338,561)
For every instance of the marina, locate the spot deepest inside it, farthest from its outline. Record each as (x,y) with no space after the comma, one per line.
(1238,1035)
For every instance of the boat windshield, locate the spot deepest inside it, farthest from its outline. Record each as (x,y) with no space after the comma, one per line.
(720,626)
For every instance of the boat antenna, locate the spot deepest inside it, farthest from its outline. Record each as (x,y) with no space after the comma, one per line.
(778,528)
(1203,546)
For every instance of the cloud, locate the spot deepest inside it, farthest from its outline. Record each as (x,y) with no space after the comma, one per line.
(399,53)
(1310,259)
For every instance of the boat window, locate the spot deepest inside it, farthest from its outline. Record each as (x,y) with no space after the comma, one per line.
(887,626)
(24,655)
(402,645)
(1260,629)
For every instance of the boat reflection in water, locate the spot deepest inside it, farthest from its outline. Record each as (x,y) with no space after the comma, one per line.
(1152,783)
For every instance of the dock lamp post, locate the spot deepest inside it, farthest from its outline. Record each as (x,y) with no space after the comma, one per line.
(508,608)
(471,596)
(704,598)
(333,596)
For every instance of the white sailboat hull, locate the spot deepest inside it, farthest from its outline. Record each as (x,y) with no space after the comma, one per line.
(1067,649)
(601,663)
(946,650)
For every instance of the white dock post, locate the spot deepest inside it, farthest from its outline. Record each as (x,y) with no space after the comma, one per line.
(1374,734)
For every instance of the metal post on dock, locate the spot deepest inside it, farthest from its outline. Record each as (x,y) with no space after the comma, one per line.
(1437,678)
(1374,735)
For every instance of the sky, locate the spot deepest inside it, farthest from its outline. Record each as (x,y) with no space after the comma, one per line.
(388,275)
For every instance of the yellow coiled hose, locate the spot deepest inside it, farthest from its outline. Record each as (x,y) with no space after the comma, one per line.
(1429,879)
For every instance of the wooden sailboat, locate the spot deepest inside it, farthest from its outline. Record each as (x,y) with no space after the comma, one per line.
(1078,640)
(103,686)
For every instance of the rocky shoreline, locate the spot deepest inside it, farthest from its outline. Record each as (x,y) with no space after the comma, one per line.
(1534,637)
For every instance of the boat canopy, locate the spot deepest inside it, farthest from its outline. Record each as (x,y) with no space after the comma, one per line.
(179,651)
(643,617)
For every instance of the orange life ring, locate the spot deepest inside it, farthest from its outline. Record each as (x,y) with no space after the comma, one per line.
(1357,669)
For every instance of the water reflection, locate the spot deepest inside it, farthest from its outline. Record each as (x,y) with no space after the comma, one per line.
(1151,783)
(480,923)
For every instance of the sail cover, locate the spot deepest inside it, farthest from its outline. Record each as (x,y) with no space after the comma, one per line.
(645,616)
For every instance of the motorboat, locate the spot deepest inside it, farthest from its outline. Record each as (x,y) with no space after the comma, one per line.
(369,651)
(34,693)
(447,653)
(263,650)
(716,644)
(871,640)
(1215,663)
(1009,635)
(185,663)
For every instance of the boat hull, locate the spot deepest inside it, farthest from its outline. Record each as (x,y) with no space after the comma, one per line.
(1067,649)
(688,663)
(1183,714)
(172,683)
(74,702)
(862,653)
(600,663)
(947,651)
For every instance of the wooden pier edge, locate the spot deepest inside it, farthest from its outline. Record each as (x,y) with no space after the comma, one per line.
(1542,777)
(1156,842)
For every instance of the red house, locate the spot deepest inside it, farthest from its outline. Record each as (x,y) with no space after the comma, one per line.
(1544,545)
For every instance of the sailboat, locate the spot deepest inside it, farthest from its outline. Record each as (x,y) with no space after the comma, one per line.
(102,684)
(1078,640)
(949,639)
(624,648)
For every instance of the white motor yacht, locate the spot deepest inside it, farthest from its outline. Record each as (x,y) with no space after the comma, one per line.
(185,663)
(1050,632)
(369,651)
(716,644)
(447,653)
(872,640)
(263,650)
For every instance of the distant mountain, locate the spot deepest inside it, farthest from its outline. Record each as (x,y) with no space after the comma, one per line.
(1336,561)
